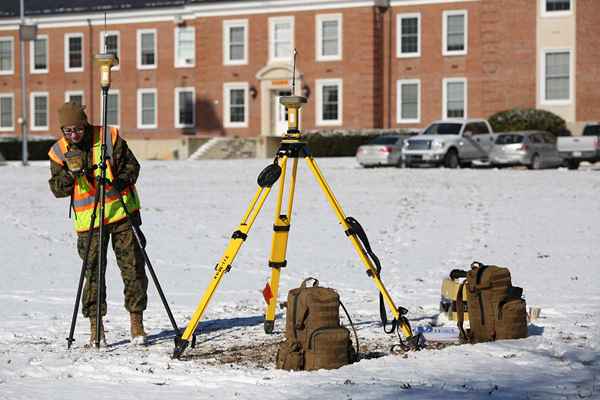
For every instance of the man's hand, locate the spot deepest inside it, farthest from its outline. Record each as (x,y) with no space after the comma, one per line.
(120,184)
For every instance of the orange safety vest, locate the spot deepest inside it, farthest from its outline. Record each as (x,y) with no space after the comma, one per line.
(84,191)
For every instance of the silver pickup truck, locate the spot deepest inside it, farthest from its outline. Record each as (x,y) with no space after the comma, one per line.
(575,149)
(452,143)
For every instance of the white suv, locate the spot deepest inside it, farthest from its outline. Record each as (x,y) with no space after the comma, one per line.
(451,142)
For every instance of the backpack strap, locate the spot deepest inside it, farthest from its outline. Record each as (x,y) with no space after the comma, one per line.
(460,310)
(353,329)
(315,283)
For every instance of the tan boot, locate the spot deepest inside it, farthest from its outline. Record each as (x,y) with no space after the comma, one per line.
(93,333)
(138,335)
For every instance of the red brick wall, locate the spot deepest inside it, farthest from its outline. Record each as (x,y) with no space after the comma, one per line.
(588,60)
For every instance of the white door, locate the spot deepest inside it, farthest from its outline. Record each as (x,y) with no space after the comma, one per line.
(280,113)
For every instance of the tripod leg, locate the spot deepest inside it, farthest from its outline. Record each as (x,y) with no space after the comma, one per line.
(371,269)
(281,229)
(224,265)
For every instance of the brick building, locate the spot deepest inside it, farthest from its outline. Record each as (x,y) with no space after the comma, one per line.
(201,68)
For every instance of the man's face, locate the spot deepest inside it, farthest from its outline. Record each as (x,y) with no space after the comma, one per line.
(74,133)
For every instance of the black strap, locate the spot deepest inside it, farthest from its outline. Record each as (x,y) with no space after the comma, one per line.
(353,328)
(460,313)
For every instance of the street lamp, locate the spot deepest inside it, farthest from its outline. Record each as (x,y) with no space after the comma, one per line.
(26,34)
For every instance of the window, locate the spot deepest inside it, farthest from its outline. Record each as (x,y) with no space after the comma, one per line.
(146,45)
(109,43)
(7,116)
(409,101)
(236,105)
(329,37)
(75,95)
(329,101)
(74,52)
(409,35)
(146,113)
(554,7)
(455,98)
(39,111)
(477,128)
(556,76)
(6,55)
(185,105)
(456,34)
(185,48)
(235,42)
(38,52)
(112,107)
(281,38)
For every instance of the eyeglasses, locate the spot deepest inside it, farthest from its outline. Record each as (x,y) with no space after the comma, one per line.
(71,131)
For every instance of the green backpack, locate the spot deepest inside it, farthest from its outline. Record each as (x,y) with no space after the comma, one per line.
(496,308)
(314,337)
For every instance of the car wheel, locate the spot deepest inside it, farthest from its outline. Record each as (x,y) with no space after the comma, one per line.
(536,162)
(451,159)
(573,164)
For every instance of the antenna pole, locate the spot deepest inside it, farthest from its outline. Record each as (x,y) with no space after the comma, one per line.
(294,74)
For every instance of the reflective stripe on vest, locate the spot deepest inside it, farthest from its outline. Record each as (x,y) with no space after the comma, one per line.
(58,150)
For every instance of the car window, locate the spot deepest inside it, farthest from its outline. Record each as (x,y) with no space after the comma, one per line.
(591,130)
(443,129)
(482,128)
(549,138)
(535,138)
(472,128)
(385,140)
(509,139)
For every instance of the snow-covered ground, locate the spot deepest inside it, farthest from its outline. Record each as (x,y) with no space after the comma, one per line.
(422,223)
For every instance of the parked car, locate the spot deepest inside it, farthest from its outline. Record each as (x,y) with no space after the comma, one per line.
(575,149)
(533,149)
(383,150)
(452,143)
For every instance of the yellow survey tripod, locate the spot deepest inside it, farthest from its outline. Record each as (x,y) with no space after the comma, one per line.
(292,147)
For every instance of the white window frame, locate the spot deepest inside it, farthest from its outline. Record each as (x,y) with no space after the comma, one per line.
(561,13)
(399,19)
(10,128)
(70,93)
(139,49)
(320,19)
(118,34)
(10,39)
(32,69)
(319,83)
(445,83)
(118,93)
(272,22)
(178,90)
(227,87)
(32,96)
(67,65)
(561,102)
(227,25)
(176,39)
(449,13)
(399,84)
(140,92)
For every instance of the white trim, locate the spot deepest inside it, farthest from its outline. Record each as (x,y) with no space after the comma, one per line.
(399,84)
(103,34)
(562,102)
(227,25)
(395,3)
(272,22)
(138,49)
(141,92)
(556,14)
(449,13)
(445,83)
(113,92)
(320,18)
(227,87)
(176,59)
(399,18)
(69,93)
(68,36)
(12,108)
(178,90)
(319,83)
(32,96)
(10,39)
(32,69)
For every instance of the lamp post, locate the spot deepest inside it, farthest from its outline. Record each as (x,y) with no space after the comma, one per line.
(26,33)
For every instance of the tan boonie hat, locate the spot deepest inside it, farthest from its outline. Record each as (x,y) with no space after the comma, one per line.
(71,114)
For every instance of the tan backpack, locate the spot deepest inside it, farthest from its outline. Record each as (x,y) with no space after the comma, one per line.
(496,307)
(314,337)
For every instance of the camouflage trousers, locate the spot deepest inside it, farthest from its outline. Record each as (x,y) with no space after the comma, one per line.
(130,261)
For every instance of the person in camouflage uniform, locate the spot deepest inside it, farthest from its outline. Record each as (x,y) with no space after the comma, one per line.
(79,136)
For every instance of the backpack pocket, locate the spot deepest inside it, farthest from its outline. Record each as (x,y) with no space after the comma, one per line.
(511,322)
(329,348)
(289,357)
